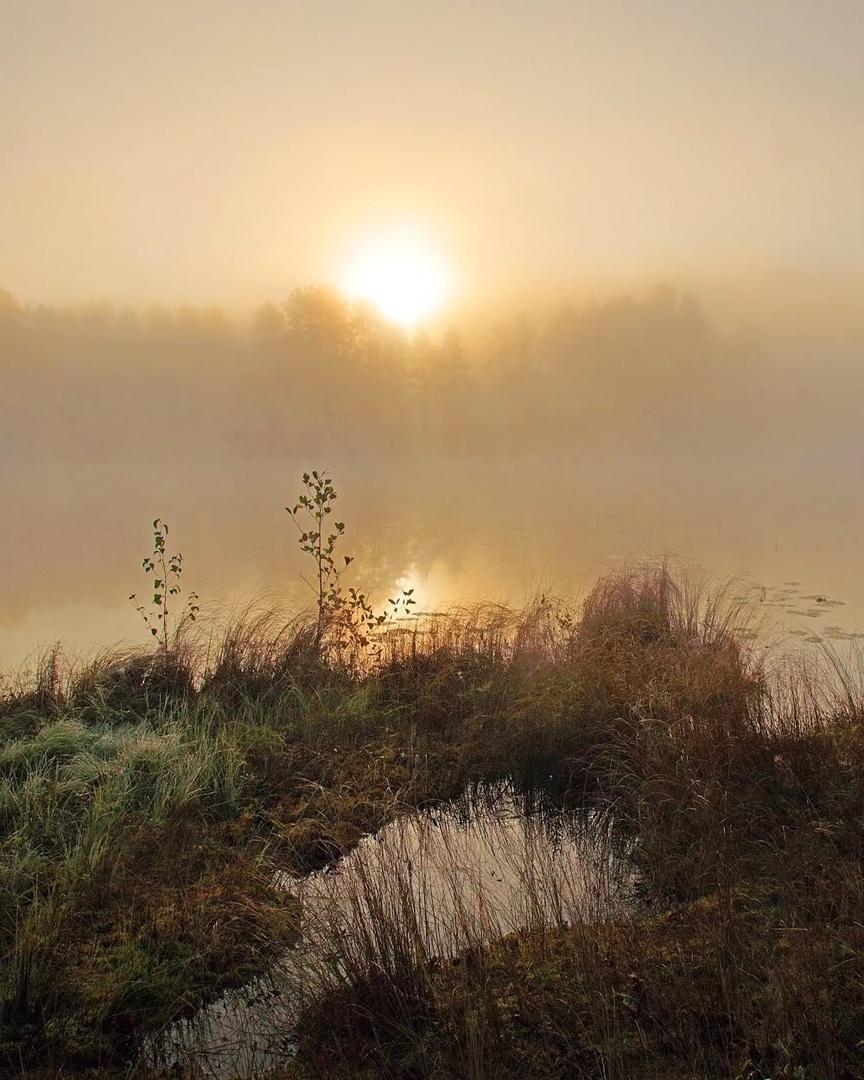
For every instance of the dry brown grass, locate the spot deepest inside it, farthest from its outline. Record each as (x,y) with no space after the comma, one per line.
(735,782)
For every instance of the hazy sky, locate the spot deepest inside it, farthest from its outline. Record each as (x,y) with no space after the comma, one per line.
(211,151)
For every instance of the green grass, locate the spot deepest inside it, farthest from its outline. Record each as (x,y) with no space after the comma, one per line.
(146,801)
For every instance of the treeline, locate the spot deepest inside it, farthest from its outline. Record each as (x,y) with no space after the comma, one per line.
(319,373)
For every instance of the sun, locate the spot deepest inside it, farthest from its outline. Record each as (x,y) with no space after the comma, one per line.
(401,273)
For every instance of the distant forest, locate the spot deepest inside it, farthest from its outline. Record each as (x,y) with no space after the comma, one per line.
(318,375)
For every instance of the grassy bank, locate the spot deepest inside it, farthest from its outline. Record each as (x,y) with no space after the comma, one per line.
(146,800)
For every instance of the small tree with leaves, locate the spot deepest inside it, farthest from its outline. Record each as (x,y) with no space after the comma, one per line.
(166,569)
(350,612)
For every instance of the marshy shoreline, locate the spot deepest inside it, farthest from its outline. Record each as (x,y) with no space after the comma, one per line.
(150,800)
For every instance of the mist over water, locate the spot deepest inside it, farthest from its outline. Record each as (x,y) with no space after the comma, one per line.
(494,461)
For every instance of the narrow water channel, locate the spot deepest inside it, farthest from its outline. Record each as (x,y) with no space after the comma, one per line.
(431,884)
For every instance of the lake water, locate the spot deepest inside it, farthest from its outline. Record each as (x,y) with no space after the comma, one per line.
(456,530)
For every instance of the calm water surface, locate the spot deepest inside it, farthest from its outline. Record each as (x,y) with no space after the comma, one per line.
(456,530)
(428,886)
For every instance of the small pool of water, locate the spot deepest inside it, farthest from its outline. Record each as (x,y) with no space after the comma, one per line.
(431,884)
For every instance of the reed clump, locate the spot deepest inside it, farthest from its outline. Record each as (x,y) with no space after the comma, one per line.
(734,793)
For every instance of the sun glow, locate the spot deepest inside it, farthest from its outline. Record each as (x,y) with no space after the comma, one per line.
(401,274)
